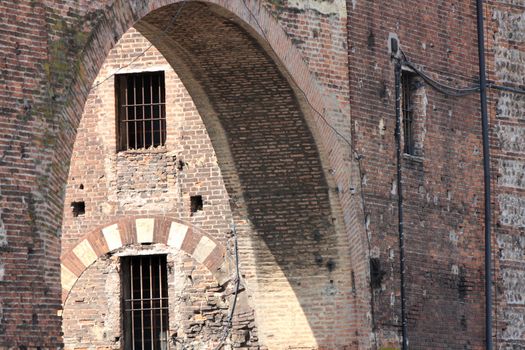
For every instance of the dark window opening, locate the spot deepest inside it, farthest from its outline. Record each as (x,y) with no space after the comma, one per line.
(79,208)
(145,302)
(196,203)
(408,86)
(376,273)
(141,110)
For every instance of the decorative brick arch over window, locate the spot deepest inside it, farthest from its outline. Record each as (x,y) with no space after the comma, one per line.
(143,230)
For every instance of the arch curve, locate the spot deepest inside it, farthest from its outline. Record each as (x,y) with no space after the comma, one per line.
(280,162)
(143,230)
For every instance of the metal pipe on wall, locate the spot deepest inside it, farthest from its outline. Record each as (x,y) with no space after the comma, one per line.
(486,173)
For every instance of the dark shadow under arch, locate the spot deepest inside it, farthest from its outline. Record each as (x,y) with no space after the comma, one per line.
(269,158)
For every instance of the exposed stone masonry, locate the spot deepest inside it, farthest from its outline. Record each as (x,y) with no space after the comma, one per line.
(506,63)
(156,181)
(315,209)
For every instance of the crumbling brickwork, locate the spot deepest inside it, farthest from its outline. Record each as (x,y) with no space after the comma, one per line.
(156,181)
(198,310)
(115,184)
(296,101)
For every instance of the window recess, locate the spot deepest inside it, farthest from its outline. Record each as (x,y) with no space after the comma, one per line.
(408,112)
(145,302)
(141,110)
(413,108)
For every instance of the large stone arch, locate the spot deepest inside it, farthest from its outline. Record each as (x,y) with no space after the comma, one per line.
(107,238)
(288,173)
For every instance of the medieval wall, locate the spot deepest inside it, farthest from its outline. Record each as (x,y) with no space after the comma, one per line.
(116,185)
(442,179)
(506,65)
(198,306)
(61,50)
(285,204)
(334,277)
(158,180)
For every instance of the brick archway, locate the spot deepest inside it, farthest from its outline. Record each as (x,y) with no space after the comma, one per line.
(143,230)
(288,173)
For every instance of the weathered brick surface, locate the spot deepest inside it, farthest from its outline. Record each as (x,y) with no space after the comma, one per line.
(307,236)
(442,185)
(116,185)
(283,194)
(140,182)
(27,198)
(198,306)
(275,162)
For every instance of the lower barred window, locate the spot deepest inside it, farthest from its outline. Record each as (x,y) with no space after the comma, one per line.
(145,302)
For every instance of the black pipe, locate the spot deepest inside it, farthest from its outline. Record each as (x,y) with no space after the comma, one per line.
(400,206)
(486,173)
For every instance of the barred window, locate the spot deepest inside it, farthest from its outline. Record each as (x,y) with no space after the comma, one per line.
(145,302)
(141,110)
(407,88)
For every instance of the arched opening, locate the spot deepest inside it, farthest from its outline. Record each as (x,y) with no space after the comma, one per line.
(145,281)
(272,171)
(275,160)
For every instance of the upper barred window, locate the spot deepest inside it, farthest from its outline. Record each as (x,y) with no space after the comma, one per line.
(407,88)
(414,104)
(141,110)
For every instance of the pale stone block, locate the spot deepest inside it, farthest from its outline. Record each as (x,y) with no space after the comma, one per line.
(67,277)
(84,251)
(203,249)
(177,234)
(112,237)
(145,229)
(512,210)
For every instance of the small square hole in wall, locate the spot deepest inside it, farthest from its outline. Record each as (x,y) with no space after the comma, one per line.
(79,208)
(196,204)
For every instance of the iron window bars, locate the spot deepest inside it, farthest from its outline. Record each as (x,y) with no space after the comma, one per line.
(145,302)
(407,88)
(141,110)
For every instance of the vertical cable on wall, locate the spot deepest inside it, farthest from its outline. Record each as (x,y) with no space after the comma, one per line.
(486,177)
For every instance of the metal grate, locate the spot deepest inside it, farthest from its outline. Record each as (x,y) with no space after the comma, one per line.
(408,112)
(145,300)
(141,108)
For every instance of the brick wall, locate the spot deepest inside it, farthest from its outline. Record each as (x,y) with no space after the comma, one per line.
(158,181)
(443,193)
(284,194)
(198,306)
(281,201)
(313,250)
(148,181)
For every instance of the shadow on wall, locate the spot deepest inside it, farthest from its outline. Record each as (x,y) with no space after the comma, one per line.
(290,249)
(272,170)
